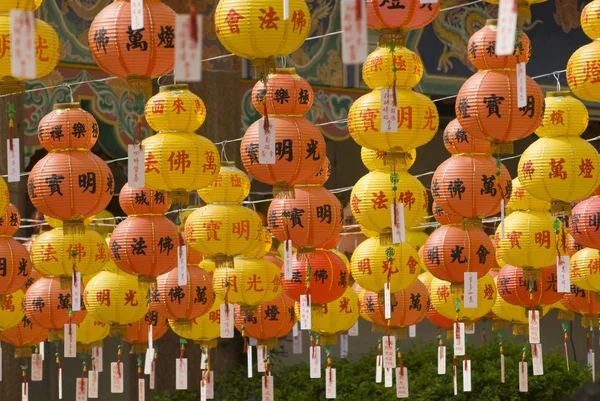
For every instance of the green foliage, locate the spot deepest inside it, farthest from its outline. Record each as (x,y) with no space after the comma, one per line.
(356,380)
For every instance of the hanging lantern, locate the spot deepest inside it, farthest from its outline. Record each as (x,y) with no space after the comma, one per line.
(584,223)
(136,333)
(374,160)
(268,322)
(584,303)
(136,201)
(431,314)
(585,269)
(11,311)
(204,330)
(458,141)
(564,115)
(337,317)
(448,299)
(68,126)
(405,15)
(505,313)
(24,336)
(518,289)
(286,93)
(521,199)
(10,221)
(15,265)
(231,186)
(90,333)
(444,218)
(482,50)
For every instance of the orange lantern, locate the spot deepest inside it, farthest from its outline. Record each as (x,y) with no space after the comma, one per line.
(10,221)
(24,336)
(324,277)
(287,94)
(585,222)
(482,49)
(444,218)
(404,14)
(584,303)
(136,333)
(469,186)
(450,251)
(15,265)
(136,201)
(68,126)
(458,141)
(517,289)
(268,322)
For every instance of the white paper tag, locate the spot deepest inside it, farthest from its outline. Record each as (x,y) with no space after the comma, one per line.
(14,160)
(76,292)
(330,386)
(151,379)
(590,354)
(148,361)
(93,384)
(402,382)
(267,388)
(429,1)
(412,331)
(466,375)
(141,389)
(563,274)
(502,376)
(116,377)
(287,259)
(81,393)
(24,391)
(136,166)
(523,385)
(150,337)
(182,275)
(315,362)
(37,368)
(70,340)
(286,10)
(22,37)
(398,229)
(343,345)
(60,383)
(249,357)
(507,28)
(41,346)
(266,144)
(459,339)
(502,212)
(203,358)
(470,329)
(379,369)
(441,359)
(260,359)
(188,53)
(389,351)
(455,379)
(353,332)
(534,326)
(297,343)
(137,15)
(98,354)
(470,290)
(295,330)
(389,123)
(521,85)
(305,315)
(387,301)
(227,320)
(537,359)
(210,385)
(181,374)
(354,32)
(593,367)
(388,377)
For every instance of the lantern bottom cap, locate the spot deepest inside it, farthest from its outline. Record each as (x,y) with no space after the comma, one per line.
(502,148)
(560,208)
(284,192)
(520,329)
(117,330)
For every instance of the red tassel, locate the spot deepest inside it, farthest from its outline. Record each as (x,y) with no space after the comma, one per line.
(193,22)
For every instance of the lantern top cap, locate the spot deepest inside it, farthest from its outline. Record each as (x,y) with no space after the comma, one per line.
(491,22)
(558,94)
(389,36)
(286,71)
(174,87)
(227,163)
(65,106)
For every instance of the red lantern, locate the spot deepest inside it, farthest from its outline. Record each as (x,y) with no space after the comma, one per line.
(136,201)
(584,303)
(297,100)
(529,292)
(137,332)
(404,14)
(458,141)
(24,336)
(68,126)
(10,221)
(585,223)
(444,218)
(482,49)
(16,266)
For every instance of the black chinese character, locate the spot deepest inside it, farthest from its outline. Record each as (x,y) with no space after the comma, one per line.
(493,103)
(31,189)
(303,96)
(109,184)
(342,282)
(88,181)
(311,150)
(159,198)
(3,267)
(166,36)
(456,187)
(252,153)
(435,188)
(200,295)
(575,224)
(529,107)
(141,198)
(23,268)
(101,39)
(115,248)
(491,48)
(433,254)
(56,133)
(594,220)
(165,244)
(324,213)
(552,283)
(135,39)
(273,219)
(64,301)
(415,302)
(271,312)
(473,49)
(53,183)
(460,136)
(38,304)
(154,295)
(503,284)
(482,252)
(78,130)
(463,107)
(488,185)
(176,294)
(457,255)
(321,275)
(283,149)
(281,96)
(295,217)
(139,246)
(95,130)
(296,277)
(395,4)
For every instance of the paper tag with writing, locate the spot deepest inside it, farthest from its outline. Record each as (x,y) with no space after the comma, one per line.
(37,368)
(141,389)
(14,160)
(537,359)
(41,346)
(523,385)
(203,358)
(354,32)
(388,380)
(502,375)
(521,85)
(136,166)
(455,380)
(470,290)
(70,340)
(81,393)
(507,28)
(266,144)
(402,382)
(92,384)
(305,313)
(151,379)
(182,274)
(563,274)
(343,345)
(353,332)
(387,301)
(534,327)
(24,391)
(148,361)
(227,320)
(59,383)
(389,351)
(150,337)
(76,292)
(267,388)
(330,385)
(398,229)
(389,123)
(379,369)
(412,331)
(188,52)
(98,355)
(249,358)
(466,375)
(181,374)
(203,390)
(287,258)
(137,15)
(23,42)
(441,360)
(210,385)
(459,339)
(297,344)
(260,358)
(295,331)
(116,377)
(315,362)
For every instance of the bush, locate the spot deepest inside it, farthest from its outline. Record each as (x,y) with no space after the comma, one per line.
(356,380)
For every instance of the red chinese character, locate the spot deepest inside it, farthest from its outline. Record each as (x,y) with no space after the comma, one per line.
(253,282)
(399,63)
(178,106)
(48,253)
(345,305)
(212,228)
(268,18)
(299,20)
(379,155)
(379,200)
(150,162)
(592,71)
(77,251)
(8,304)
(514,239)
(103,297)
(4,45)
(519,193)
(430,116)
(488,291)
(232,20)
(407,198)
(412,263)
(354,203)
(130,298)
(556,117)
(417,64)
(368,115)
(215,316)
(236,181)
(376,63)
(443,293)
(198,107)
(571,78)
(158,106)
(528,170)
(586,168)
(210,165)
(242,229)
(100,255)
(179,160)
(594,266)
(543,238)
(364,266)
(230,283)
(557,169)
(389,268)
(40,47)
(405,116)
(276,283)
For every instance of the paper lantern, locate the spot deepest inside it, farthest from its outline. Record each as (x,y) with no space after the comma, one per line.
(374,160)
(57,254)
(448,299)
(582,71)
(103,223)
(431,314)
(378,70)
(444,218)
(175,108)
(416,238)
(481,48)
(10,221)
(521,199)
(115,297)
(91,333)
(458,141)
(204,330)
(337,317)
(11,311)
(373,265)
(404,14)
(231,186)
(324,277)
(585,222)
(585,269)
(126,53)
(590,20)
(469,185)
(518,289)
(563,115)
(287,93)
(135,201)
(15,265)
(24,336)
(68,126)
(572,245)
(451,251)
(136,333)
(268,322)
(372,198)
(584,303)
(258,30)
(310,220)
(70,185)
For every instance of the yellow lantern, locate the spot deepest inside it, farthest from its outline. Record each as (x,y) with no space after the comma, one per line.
(373,265)
(204,330)
(208,266)
(416,238)
(378,70)
(56,223)
(374,160)
(11,311)
(252,282)
(29,5)
(521,199)
(563,115)
(343,257)
(590,19)
(448,299)
(4,196)
(103,223)
(57,254)
(336,317)
(222,231)
(266,241)
(90,333)
(115,298)
(256,29)
(505,313)
(231,186)
(585,269)
(175,108)
(372,198)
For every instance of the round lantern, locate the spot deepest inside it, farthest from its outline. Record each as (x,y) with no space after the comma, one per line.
(378,69)
(91,333)
(259,31)
(531,292)
(584,303)
(431,314)
(127,53)
(470,186)
(590,20)
(10,221)
(204,330)
(458,141)
(580,72)
(563,115)
(482,49)
(287,93)
(231,186)
(444,218)
(505,313)
(15,265)
(416,238)
(183,303)
(135,201)
(404,14)
(572,245)
(70,185)
(521,199)
(175,108)
(374,160)
(11,310)
(136,333)
(24,336)
(585,269)
(68,126)
(448,299)
(451,251)
(268,322)
(336,318)
(585,222)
